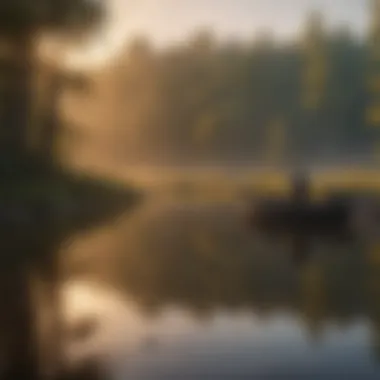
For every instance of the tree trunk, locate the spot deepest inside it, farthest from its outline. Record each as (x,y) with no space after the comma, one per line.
(17,71)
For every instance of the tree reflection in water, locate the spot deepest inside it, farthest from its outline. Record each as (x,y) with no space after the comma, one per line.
(205,260)
(33,330)
(201,260)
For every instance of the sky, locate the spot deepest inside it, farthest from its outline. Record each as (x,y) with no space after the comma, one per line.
(171,21)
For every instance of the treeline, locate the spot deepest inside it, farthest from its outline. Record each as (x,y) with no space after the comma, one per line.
(233,101)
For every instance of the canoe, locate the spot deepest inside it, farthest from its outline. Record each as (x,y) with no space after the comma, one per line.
(334,213)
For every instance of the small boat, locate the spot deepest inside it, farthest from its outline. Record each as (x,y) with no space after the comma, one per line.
(289,215)
(338,212)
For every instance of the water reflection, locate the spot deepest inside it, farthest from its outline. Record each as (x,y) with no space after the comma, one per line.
(209,297)
(32,319)
(188,291)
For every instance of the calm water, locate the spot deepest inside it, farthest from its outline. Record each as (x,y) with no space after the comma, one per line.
(184,291)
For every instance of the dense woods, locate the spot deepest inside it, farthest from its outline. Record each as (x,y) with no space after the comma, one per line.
(261,100)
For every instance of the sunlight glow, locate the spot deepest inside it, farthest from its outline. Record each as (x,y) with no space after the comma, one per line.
(227,18)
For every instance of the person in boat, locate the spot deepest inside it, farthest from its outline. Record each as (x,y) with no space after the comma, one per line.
(300,193)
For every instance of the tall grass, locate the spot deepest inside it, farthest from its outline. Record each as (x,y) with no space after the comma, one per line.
(224,187)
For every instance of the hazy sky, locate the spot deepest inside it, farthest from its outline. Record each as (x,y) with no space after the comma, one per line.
(167,21)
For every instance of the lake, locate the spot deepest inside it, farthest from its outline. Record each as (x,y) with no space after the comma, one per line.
(182,290)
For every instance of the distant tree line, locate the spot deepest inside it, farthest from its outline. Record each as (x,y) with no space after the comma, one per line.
(265,100)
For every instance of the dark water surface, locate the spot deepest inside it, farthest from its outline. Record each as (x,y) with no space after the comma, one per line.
(185,291)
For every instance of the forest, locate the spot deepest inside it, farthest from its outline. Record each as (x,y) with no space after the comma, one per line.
(263,100)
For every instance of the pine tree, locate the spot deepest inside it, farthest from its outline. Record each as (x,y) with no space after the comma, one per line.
(373,76)
(22,23)
(314,80)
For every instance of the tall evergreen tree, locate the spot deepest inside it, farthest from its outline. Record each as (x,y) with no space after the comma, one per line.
(314,80)
(22,23)
(373,76)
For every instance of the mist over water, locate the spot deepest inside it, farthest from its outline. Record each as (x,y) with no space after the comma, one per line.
(136,195)
(191,291)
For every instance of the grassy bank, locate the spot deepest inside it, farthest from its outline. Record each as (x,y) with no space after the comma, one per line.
(32,193)
(224,187)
